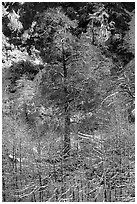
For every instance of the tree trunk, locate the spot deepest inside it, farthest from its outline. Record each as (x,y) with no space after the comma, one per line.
(93,35)
(66,150)
(3,189)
